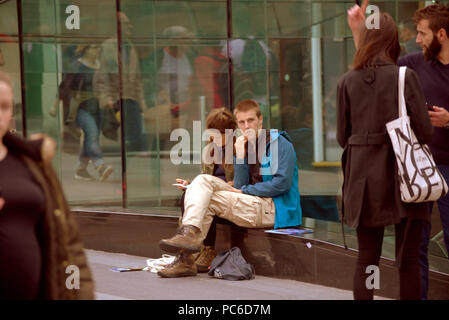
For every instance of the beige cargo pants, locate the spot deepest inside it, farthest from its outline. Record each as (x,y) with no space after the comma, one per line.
(207,197)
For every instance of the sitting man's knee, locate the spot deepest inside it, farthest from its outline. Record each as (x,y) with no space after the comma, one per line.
(204,177)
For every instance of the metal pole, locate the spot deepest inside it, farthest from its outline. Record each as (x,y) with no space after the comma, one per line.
(318,141)
(122,117)
(267,68)
(203,121)
(228,51)
(22,71)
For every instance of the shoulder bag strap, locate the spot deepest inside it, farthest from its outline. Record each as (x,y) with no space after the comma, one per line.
(401,96)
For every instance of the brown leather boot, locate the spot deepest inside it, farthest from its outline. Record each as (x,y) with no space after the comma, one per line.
(204,259)
(188,238)
(183,266)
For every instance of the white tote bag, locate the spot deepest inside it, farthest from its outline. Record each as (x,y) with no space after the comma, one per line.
(420,179)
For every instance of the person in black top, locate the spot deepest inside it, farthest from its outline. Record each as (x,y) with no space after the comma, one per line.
(38,235)
(432,67)
(20,217)
(22,206)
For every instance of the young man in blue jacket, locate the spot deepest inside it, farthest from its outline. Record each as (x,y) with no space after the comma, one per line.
(265,192)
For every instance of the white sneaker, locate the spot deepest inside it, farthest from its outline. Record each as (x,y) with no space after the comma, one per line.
(82,174)
(104,171)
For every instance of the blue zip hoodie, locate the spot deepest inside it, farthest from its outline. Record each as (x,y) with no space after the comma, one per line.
(280,179)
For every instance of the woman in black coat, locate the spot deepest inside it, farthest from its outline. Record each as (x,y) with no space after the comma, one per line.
(367,99)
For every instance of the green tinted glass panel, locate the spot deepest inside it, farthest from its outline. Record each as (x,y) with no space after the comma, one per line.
(202,19)
(9,56)
(63,53)
(286,54)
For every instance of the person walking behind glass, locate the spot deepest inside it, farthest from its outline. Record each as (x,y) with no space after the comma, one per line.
(367,98)
(407,34)
(127,91)
(85,111)
(39,238)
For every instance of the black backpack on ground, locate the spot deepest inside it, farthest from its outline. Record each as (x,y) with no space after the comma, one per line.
(230,265)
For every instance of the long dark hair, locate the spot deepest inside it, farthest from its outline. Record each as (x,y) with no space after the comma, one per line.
(378,44)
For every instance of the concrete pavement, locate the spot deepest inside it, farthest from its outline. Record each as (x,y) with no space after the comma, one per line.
(145,285)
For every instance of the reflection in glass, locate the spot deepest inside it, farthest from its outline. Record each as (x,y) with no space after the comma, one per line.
(108,85)
(83,111)
(174,65)
(10,57)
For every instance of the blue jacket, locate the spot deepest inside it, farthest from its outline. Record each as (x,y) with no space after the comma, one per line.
(280,179)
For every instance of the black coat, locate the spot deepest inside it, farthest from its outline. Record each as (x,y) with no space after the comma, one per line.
(366,100)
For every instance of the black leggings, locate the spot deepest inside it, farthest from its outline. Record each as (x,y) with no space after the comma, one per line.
(408,237)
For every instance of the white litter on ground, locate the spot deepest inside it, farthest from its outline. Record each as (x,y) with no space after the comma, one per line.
(157,264)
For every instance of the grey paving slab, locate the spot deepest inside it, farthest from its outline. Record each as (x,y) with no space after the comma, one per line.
(145,285)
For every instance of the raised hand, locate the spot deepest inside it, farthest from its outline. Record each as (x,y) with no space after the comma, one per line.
(357,16)
(240,146)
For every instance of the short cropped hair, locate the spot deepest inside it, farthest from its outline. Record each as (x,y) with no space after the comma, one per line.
(438,16)
(221,119)
(246,105)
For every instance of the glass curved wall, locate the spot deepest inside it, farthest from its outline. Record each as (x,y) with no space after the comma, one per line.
(130,72)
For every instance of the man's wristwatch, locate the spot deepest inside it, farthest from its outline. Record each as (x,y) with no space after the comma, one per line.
(446,126)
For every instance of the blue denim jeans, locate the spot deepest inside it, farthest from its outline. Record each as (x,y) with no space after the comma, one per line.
(90,123)
(443,206)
